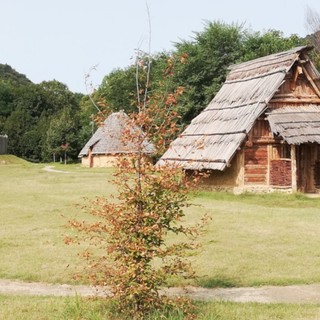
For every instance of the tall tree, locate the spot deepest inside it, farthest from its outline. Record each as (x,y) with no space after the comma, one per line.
(6,99)
(62,138)
(58,96)
(117,88)
(16,127)
(208,57)
(257,44)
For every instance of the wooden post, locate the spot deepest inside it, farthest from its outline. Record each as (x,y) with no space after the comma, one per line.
(240,166)
(269,157)
(293,169)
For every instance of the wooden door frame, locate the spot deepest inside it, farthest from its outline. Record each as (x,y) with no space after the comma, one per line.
(305,162)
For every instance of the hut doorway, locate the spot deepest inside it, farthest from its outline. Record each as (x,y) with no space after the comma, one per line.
(308,165)
(90,156)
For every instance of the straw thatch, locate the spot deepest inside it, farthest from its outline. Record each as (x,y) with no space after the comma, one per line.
(108,139)
(215,135)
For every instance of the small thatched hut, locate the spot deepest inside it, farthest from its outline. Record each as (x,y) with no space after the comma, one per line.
(107,143)
(262,129)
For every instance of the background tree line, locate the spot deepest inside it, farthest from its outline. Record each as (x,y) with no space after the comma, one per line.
(45,120)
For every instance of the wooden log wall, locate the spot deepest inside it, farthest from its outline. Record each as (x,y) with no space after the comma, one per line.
(256,164)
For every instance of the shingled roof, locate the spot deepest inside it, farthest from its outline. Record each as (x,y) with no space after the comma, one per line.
(213,137)
(296,126)
(108,138)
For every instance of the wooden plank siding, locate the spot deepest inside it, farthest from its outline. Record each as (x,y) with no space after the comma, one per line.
(256,164)
(301,93)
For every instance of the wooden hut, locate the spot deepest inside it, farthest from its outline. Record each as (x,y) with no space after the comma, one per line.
(262,129)
(107,143)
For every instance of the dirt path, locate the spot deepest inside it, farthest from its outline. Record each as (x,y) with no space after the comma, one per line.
(267,294)
(51,169)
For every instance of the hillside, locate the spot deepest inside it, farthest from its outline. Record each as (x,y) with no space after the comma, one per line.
(11,159)
(8,74)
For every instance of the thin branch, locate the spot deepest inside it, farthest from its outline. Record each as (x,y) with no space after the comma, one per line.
(149,59)
(87,85)
(312,18)
(137,79)
(312,23)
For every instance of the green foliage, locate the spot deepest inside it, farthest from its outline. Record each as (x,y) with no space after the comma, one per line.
(9,75)
(208,57)
(61,135)
(16,126)
(210,54)
(6,98)
(26,112)
(58,96)
(259,44)
(118,89)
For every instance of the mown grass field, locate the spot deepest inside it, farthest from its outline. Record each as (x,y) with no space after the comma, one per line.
(76,308)
(35,208)
(251,240)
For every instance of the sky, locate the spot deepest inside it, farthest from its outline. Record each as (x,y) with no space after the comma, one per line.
(65,40)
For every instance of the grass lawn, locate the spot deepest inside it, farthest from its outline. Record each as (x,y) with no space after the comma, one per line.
(35,208)
(251,240)
(257,240)
(56,308)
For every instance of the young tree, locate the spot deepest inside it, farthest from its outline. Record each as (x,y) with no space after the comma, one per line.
(132,231)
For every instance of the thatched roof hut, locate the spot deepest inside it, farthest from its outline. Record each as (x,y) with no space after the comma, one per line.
(107,142)
(274,98)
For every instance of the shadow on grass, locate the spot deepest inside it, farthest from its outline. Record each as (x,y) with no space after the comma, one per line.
(274,199)
(217,282)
